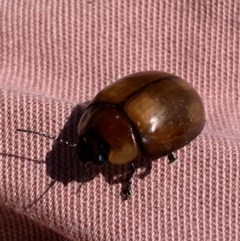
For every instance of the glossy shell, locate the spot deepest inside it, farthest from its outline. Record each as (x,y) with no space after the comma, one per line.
(147,114)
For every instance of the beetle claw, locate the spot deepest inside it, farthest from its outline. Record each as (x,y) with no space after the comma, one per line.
(171,158)
(127,191)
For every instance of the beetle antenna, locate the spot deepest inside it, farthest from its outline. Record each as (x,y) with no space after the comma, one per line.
(48,136)
(41,196)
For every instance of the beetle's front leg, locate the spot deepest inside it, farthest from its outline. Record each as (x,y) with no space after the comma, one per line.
(127,188)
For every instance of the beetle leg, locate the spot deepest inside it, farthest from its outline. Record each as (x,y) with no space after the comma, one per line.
(86,172)
(127,189)
(85,175)
(171,158)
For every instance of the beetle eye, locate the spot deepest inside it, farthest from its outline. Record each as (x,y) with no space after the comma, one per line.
(92,148)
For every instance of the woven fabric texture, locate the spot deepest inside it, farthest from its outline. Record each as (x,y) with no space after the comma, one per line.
(54,57)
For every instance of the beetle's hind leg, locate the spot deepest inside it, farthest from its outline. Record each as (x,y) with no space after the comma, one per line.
(127,188)
(171,158)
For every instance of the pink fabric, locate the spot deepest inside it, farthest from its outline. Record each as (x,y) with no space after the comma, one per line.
(57,54)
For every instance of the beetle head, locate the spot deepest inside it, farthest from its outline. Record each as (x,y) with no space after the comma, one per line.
(92,148)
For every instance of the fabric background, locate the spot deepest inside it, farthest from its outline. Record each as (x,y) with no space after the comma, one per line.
(54,56)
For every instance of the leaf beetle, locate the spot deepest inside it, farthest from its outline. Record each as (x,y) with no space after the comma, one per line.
(145,115)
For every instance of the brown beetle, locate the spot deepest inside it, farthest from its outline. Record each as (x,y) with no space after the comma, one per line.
(145,115)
